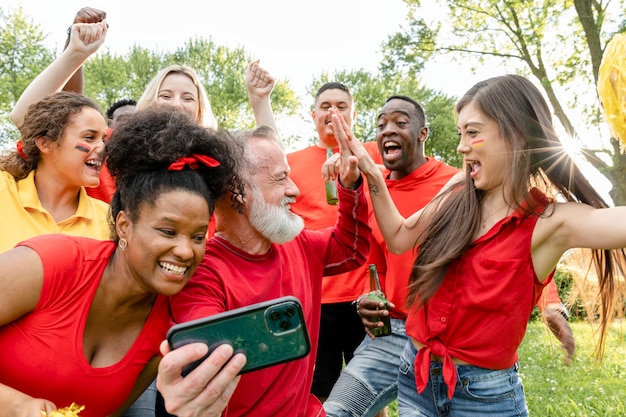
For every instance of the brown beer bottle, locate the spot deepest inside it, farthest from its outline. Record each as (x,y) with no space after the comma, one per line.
(377,294)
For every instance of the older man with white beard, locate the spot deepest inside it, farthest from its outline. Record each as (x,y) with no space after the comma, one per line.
(261,251)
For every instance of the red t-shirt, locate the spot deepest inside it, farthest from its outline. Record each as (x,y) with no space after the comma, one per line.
(228,278)
(311,205)
(105,190)
(480,312)
(42,352)
(409,194)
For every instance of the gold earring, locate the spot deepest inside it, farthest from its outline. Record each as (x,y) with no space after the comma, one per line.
(122,244)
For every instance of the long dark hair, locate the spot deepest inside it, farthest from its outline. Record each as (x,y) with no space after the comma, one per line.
(538,159)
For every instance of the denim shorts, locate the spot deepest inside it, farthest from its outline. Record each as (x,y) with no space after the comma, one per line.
(369,381)
(479,392)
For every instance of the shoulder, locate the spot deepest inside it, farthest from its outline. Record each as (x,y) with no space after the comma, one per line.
(374,152)
(56,246)
(92,208)
(306,152)
(93,202)
(6,178)
(99,205)
(7,182)
(445,167)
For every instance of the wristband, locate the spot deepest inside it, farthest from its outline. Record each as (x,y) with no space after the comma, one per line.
(357,302)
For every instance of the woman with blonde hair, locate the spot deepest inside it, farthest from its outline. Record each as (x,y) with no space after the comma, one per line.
(180,86)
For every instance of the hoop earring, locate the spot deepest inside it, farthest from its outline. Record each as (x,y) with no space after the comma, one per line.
(122,243)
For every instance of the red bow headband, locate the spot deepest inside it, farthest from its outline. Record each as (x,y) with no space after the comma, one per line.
(192,162)
(20,149)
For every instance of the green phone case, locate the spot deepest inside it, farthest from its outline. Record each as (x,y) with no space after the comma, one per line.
(268,333)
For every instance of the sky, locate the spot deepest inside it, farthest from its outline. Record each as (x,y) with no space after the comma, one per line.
(295,40)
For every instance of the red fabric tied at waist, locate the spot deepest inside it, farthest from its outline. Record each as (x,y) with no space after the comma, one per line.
(422,367)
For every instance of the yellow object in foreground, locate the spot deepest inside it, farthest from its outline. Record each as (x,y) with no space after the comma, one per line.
(70,411)
(612,87)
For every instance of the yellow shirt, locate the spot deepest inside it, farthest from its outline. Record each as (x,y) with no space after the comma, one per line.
(22,216)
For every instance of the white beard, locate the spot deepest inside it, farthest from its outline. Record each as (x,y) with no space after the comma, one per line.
(277,223)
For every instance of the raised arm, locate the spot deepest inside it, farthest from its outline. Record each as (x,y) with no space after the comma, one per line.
(260,83)
(85,39)
(400,234)
(84,15)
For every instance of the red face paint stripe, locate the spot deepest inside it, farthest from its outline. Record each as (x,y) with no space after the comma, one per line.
(83,147)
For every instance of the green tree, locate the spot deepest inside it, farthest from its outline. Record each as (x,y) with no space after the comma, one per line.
(22,56)
(223,73)
(110,77)
(370,92)
(558,42)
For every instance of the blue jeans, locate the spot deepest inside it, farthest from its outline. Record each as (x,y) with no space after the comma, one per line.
(479,392)
(144,406)
(369,381)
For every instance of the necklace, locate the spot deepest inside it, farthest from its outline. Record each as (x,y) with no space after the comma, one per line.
(484,219)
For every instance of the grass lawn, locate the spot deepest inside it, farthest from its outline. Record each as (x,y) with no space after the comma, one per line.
(583,389)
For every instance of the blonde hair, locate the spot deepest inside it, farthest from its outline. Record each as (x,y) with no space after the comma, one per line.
(205,115)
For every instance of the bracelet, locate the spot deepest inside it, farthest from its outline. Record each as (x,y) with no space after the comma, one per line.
(357,302)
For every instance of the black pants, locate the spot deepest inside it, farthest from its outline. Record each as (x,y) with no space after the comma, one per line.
(341,332)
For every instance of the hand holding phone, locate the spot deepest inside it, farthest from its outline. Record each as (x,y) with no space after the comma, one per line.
(268,333)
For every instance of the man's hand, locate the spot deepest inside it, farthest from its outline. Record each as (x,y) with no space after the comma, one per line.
(206,390)
(370,312)
(259,82)
(557,323)
(348,164)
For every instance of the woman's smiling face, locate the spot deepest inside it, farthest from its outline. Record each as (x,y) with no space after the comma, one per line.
(485,154)
(167,240)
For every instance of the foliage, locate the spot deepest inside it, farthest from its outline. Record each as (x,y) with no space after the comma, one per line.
(558,42)
(22,57)
(564,280)
(370,92)
(586,387)
(110,77)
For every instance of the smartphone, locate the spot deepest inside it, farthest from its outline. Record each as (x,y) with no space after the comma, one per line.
(268,333)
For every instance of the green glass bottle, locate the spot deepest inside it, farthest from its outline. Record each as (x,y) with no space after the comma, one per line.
(331,186)
(377,294)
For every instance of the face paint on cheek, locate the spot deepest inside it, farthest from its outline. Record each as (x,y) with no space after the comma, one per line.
(83,147)
(477,143)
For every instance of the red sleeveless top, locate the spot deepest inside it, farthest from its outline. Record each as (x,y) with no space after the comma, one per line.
(480,312)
